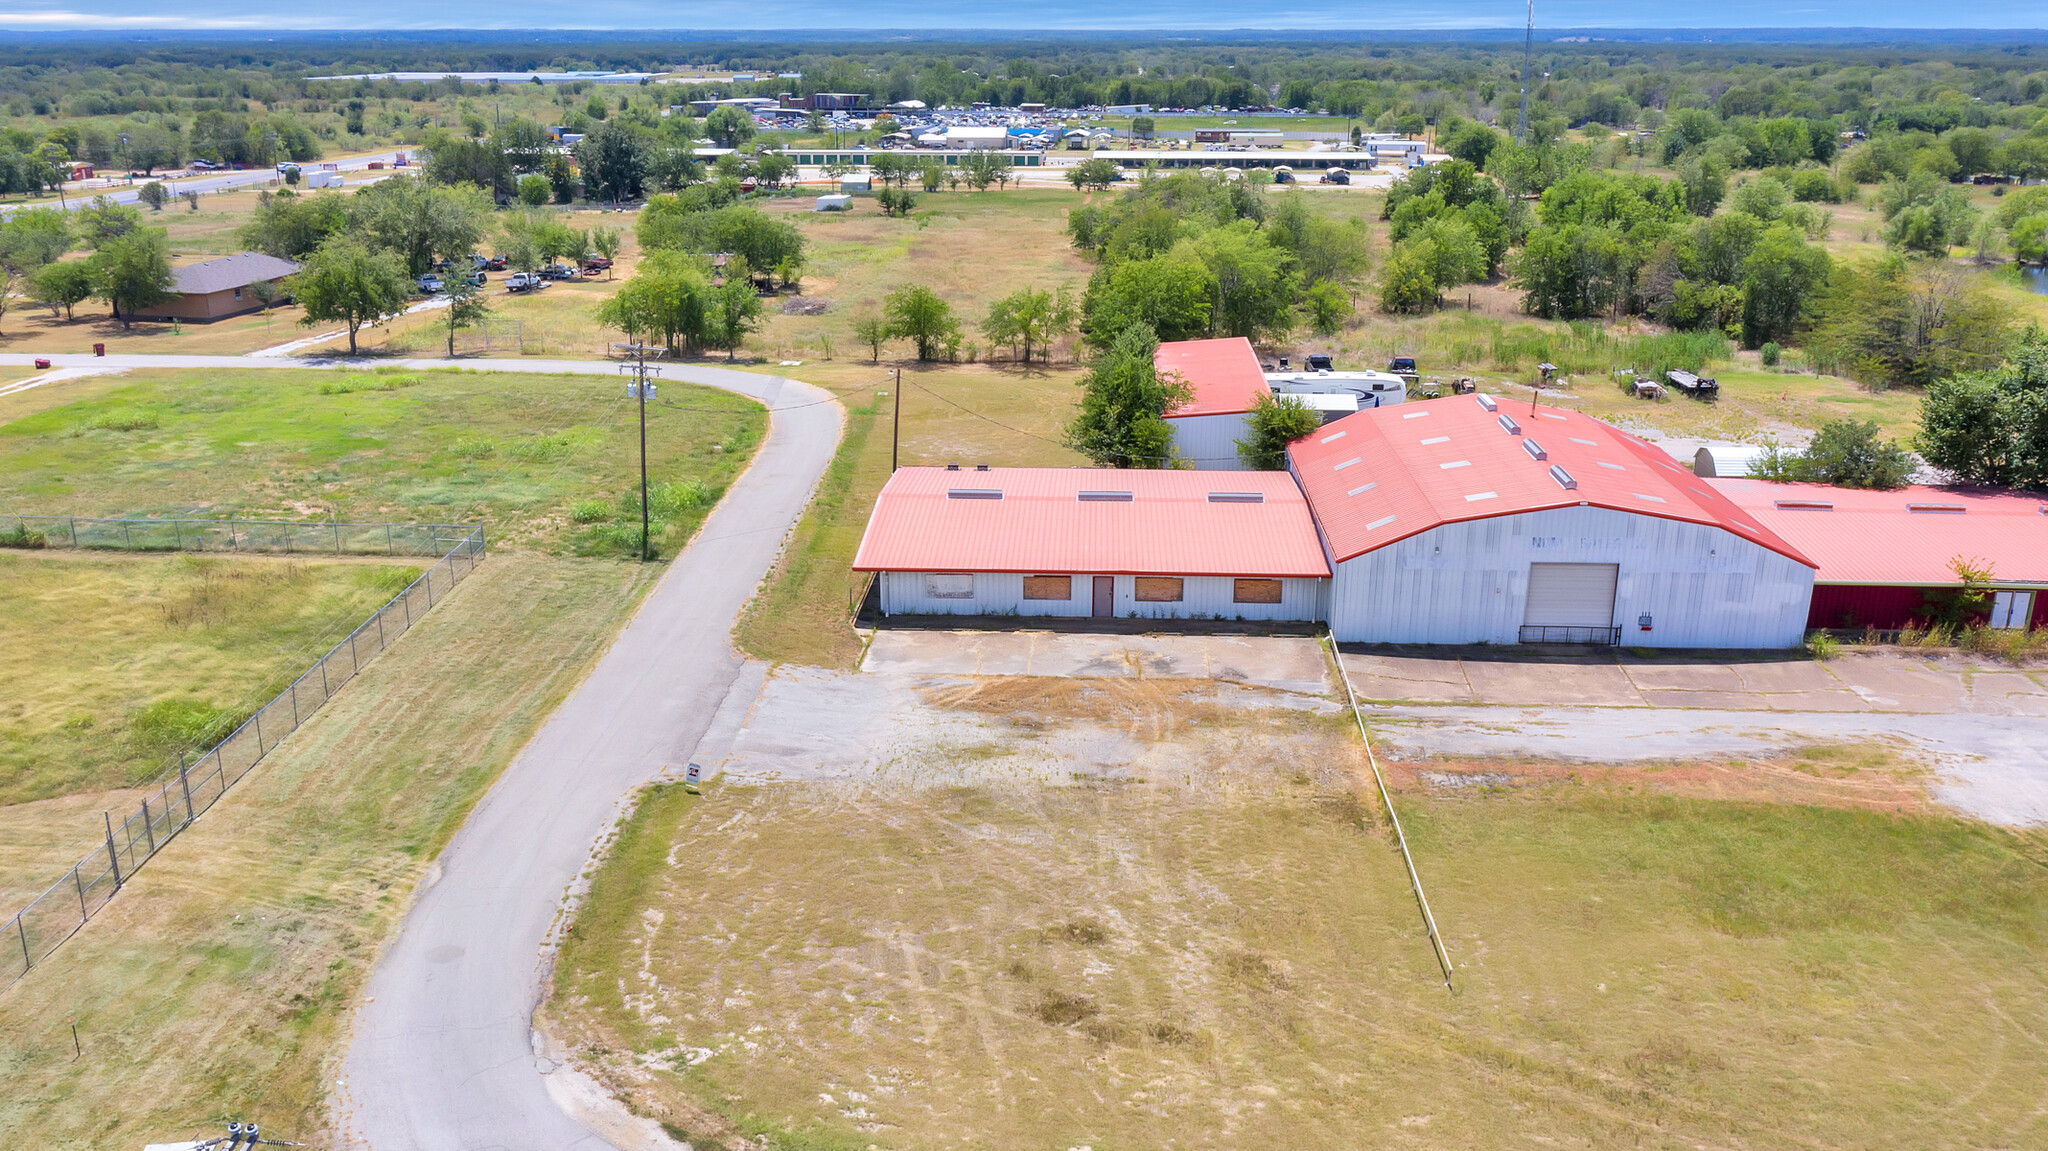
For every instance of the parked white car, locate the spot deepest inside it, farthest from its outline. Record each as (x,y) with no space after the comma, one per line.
(430,284)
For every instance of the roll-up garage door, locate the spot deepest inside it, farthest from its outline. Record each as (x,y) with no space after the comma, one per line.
(1571,595)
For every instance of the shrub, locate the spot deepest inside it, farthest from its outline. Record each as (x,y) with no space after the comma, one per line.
(1770,354)
(589,511)
(20,537)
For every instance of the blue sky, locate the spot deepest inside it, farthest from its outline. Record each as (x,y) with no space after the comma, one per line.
(933,15)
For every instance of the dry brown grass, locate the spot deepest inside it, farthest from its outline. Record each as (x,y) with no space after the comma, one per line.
(1237,964)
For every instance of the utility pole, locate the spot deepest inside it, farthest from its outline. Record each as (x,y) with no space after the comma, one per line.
(1528,47)
(896,426)
(641,388)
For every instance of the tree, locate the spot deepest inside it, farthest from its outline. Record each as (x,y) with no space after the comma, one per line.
(671,297)
(534,190)
(1906,321)
(873,330)
(103,221)
(1096,174)
(895,201)
(467,308)
(729,126)
(1124,398)
(1273,423)
(614,162)
(1255,282)
(132,271)
(154,194)
(735,310)
(62,285)
(1328,307)
(1782,279)
(605,242)
(347,282)
(1171,296)
(289,226)
(1408,279)
(1142,127)
(916,313)
(1991,427)
(1844,454)
(1030,316)
(34,237)
(420,222)
(152,146)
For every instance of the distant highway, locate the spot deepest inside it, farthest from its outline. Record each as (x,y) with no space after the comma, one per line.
(74,199)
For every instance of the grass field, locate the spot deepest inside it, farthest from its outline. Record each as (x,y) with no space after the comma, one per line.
(1240,965)
(216,985)
(138,658)
(540,461)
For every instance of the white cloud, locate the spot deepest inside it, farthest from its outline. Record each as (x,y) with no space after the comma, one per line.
(102,20)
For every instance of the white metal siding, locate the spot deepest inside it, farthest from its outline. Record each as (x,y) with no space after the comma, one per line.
(1468,582)
(1202,597)
(1209,443)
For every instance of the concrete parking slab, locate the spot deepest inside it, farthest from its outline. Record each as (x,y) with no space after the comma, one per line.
(1286,663)
(1790,675)
(1552,683)
(2007,693)
(1684,676)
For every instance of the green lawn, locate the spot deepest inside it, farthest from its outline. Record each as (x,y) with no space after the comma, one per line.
(548,462)
(137,658)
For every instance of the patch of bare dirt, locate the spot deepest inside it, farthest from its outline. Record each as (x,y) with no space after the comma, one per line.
(1869,778)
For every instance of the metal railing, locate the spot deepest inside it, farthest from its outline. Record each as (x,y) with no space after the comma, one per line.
(263,537)
(1554,633)
(196,784)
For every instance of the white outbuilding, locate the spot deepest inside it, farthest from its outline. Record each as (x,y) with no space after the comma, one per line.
(1461,521)
(1079,542)
(1224,379)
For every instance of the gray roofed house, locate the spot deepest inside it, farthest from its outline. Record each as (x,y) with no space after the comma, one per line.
(218,288)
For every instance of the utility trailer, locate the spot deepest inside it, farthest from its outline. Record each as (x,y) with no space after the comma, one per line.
(1698,387)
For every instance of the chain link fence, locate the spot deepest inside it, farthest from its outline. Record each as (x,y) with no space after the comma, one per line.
(188,791)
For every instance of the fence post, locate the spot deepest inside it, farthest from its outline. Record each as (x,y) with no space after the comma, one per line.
(326,693)
(380,627)
(387,540)
(148,832)
(185,782)
(127,537)
(295,702)
(74,531)
(22,931)
(177,536)
(259,733)
(113,857)
(79,883)
(233,539)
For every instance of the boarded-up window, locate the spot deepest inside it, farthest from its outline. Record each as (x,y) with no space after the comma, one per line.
(1256,591)
(949,586)
(1048,587)
(1158,589)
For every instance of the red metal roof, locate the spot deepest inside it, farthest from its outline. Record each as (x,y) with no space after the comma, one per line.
(1906,536)
(1224,374)
(1388,473)
(1041,524)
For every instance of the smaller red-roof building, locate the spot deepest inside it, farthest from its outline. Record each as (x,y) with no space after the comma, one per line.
(1226,379)
(1084,541)
(1881,556)
(1467,520)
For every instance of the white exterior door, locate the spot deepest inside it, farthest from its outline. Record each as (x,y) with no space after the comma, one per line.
(1571,595)
(2011,609)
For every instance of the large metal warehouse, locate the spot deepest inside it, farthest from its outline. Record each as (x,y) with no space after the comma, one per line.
(1082,542)
(1456,521)
(1883,555)
(1225,378)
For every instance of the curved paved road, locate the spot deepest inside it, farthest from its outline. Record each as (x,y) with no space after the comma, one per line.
(443,1054)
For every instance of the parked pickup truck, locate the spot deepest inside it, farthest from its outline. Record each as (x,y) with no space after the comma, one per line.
(430,284)
(595,263)
(557,272)
(522,281)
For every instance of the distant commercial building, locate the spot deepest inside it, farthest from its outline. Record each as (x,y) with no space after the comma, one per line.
(1257,137)
(974,136)
(1885,558)
(829,102)
(220,288)
(500,77)
(1080,542)
(746,103)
